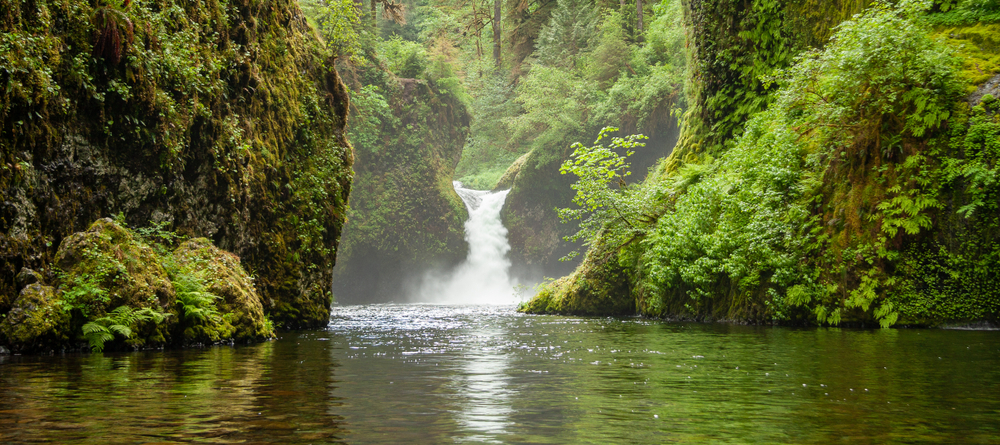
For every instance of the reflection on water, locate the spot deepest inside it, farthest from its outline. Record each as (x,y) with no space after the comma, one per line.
(483,386)
(444,374)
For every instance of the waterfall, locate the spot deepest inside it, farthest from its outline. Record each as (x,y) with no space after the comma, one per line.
(484,276)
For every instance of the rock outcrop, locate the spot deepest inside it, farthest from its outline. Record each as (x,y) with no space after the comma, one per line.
(223,120)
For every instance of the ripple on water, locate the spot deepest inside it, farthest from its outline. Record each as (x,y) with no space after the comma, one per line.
(436,373)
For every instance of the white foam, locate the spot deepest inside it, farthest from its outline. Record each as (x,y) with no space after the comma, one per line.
(484,276)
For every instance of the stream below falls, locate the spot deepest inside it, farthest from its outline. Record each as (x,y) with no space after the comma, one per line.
(445,374)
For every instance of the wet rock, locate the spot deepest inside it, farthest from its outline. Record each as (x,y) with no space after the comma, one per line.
(111,257)
(507,180)
(27,276)
(106,267)
(991,87)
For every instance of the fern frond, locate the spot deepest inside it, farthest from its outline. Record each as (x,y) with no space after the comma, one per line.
(123,330)
(93,327)
(97,340)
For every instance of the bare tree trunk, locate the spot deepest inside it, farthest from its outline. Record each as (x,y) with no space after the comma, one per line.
(496,32)
(638,12)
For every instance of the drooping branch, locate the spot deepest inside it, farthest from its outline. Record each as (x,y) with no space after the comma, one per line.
(390,11)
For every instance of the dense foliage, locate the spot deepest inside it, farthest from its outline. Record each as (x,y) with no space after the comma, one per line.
(863,193)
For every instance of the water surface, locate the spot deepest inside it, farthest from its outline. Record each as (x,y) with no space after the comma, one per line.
(451,374)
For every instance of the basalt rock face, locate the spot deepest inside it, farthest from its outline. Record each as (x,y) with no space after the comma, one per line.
(405,218)
(221,119)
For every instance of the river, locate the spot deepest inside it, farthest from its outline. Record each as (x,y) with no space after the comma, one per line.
(449,374)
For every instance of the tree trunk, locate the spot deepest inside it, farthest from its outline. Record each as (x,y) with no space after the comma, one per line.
(638,13)
(496,32)
(374,17)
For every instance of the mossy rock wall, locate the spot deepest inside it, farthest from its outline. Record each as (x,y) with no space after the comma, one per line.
(731,45)
(832,255)
(223,119)
(405,216)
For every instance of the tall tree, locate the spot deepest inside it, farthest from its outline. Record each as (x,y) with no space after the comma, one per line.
(571,29)
(638,14)
(496,32)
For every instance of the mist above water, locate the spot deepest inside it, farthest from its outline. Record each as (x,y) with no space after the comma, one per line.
(484,276)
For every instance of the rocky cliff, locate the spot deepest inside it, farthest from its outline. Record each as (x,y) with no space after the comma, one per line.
(214,119)
(405,218)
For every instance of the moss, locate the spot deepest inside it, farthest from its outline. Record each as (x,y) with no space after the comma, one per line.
(108,266)
(857,264)
(534,231)
(224,277)
(978,45)
(599,286)
(506,180)
(732,47)
(225,119)
(36,321)
(126,269)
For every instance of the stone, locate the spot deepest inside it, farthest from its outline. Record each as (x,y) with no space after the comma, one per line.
(36,319)
(224,276)
(27,276)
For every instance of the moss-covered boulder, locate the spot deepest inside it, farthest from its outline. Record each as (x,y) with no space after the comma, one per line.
(599,286)
(111,279)
(506,180)
(107,266)
(534,231)
(222,275)
(36,321)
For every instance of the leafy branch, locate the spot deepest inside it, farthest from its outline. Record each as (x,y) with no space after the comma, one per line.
(604,198)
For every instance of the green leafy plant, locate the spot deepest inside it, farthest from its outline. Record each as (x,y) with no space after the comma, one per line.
(82,289)
(120,321)
(339,22)
(197,305)
(115,31)
(604,198)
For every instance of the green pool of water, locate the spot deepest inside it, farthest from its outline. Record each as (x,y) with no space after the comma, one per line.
(449,374)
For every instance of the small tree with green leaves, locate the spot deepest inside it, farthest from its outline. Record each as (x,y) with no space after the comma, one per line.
(606,202)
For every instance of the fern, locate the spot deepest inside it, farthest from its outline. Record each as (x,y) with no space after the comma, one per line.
(197,305)
(96,335)
(118,321)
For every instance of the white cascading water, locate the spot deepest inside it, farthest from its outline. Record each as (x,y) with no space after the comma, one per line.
(484,276)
